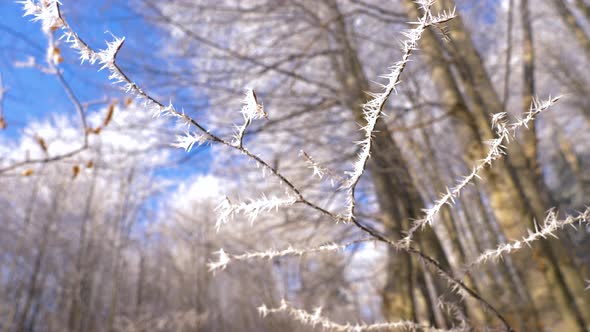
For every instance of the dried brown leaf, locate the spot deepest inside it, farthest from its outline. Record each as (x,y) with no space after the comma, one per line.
(109,115)
(41,143)
(75,171)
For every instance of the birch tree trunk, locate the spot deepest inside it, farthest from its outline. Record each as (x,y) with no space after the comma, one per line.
(529,137)
(398,198)
(524,192)
(568,18)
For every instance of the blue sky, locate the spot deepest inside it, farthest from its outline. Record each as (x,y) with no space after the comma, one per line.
(33,95)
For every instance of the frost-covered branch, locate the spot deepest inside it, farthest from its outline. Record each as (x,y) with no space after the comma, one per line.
(225,258)
(455,283)
(51,18)
(373,109)
(41,160)
(320,170)
(504,133)
(48,12)
(227,210)
(251,110)
(316,319)
(188,140)
(551,224)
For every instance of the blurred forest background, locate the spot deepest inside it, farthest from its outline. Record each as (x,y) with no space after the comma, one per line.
(115,233)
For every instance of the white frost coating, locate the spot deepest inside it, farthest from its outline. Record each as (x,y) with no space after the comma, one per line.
(316,319)
(505,132)
(373,109)
(225,258)
(188,140)
(251,110)
(550,226)
(226,210)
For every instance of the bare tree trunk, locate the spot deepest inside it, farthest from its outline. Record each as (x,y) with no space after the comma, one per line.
(584,8)
(75,316)
(38,305)
(448,233)
(502,201)
(529,137)
(509,264)
(506,92)
(570,157)
(19,252)
(534,195)
(42,251)
(426,291)
(396,192)
(140,286)
(114,292)
(120,237)
(572,23)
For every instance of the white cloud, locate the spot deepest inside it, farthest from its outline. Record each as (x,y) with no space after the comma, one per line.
(200,188)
